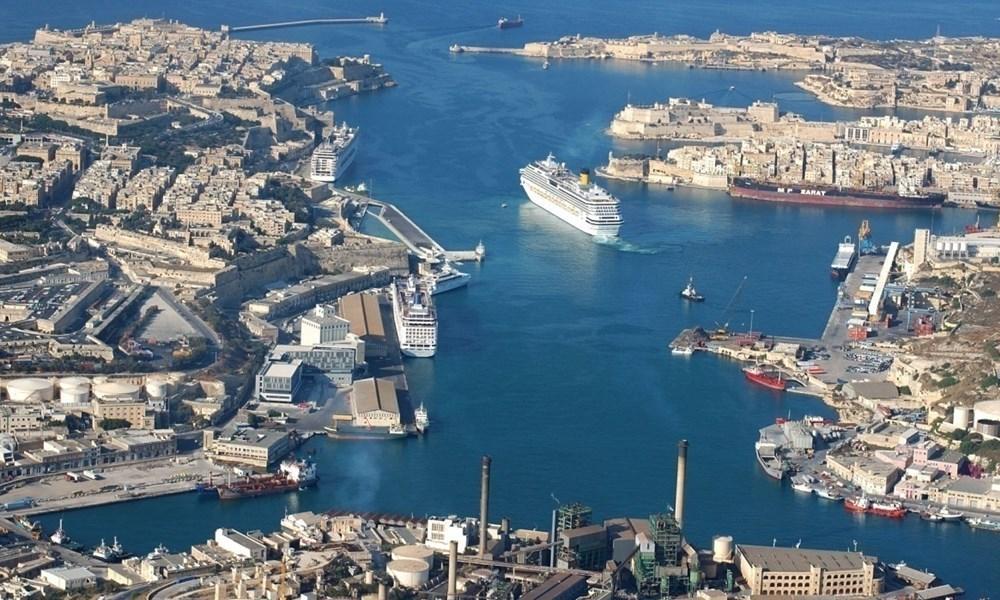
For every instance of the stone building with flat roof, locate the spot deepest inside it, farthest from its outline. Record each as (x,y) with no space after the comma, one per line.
(770,571)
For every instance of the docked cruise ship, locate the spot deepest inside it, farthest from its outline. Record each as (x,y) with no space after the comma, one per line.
(582,204)
(334,156)
(415,317)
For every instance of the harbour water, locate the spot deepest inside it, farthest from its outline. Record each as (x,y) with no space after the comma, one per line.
(554,359)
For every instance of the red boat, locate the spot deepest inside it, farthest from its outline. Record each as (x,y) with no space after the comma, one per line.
(861,504)
(770,378)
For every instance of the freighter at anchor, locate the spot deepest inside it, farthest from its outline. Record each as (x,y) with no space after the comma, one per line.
(827,195)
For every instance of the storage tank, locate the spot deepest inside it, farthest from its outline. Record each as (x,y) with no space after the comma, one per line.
(414,552)
(30,389)
(990,427)
(74,390)
(116,390)
(987,410)
(962,417)
(722,548)
(156,389)
(409,573)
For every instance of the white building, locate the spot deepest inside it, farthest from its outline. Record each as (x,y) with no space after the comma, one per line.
(69,578)
(323,326)
(442,532)
(240,544)
(279,381)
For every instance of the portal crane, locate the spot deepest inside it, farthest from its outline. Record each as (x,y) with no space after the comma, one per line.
(722,329)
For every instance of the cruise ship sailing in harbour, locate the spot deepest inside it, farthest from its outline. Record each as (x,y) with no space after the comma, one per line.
(415,318)
(331,159)
(582,204)
(906,196)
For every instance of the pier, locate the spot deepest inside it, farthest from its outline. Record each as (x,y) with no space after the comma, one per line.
(409,233)
(381,19)
(457,49)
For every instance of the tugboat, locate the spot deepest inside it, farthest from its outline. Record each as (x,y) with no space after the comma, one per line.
(112,553)
(690,294)
(505,23)
(770,378)
(420,420)
(60,537)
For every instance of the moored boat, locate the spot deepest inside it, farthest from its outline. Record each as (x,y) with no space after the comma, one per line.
(767,377)
(769,460)
(505,23)
(984,524)
(828,494)
(904,197)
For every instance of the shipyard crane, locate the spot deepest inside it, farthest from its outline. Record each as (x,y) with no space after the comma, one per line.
(866,246)
(722,329)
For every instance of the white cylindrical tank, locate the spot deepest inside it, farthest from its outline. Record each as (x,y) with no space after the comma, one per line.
(30,389)
(74,395)
(722,548)
(156,390)
(987,410)
(962,417)
(117,390)
(409,573)
(414,552)
(74,390)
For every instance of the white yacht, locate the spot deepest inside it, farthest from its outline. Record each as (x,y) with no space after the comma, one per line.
(420,418)
(445,279)
(334,156)
(582,204)
(415,318)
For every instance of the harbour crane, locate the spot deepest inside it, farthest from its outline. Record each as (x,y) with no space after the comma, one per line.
(866,246)
(722,329)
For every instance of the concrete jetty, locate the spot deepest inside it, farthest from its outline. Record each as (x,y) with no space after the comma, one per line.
(458,49)
(409,233)
(381,19)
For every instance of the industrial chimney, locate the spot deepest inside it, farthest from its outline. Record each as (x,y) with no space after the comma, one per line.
(484,504)
(682,457)
(452,570)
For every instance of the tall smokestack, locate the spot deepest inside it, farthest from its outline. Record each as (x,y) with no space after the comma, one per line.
(682,459)
(484,504)
(452,570)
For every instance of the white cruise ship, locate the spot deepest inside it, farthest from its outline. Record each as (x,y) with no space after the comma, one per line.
(334,156)
(415,317)
(582,204)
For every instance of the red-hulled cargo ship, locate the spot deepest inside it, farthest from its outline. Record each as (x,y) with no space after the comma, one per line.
(770,378)
(292,475)
(741,187)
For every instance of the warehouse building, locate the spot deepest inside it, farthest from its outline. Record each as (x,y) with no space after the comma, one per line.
(375,403)
(770,571)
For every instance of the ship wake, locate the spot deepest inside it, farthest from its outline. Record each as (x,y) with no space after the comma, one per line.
(626,246)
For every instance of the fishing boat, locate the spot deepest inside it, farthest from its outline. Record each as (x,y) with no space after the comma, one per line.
(931,516)
(828,494)
(984,523)
(800,484)
(947,514)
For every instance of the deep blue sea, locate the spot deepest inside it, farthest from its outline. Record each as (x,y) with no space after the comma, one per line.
(554,359)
